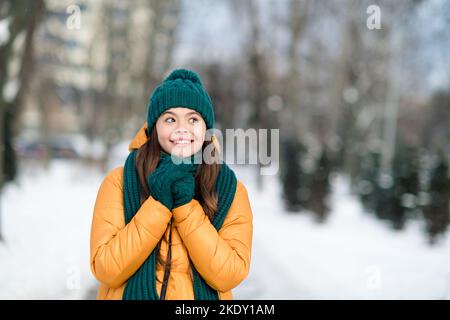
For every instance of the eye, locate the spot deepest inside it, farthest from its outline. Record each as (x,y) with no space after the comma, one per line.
(169,120)
(193,119)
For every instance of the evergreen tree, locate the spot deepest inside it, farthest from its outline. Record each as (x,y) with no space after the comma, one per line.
(395,195)
(290,173)
(319,188)
(408,179)
(437,212)
(368,181)
(305,179)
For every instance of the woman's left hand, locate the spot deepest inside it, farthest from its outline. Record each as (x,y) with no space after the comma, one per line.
(183,186)
(183,190)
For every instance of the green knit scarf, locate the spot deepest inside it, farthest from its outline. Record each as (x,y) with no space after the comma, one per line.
(142,284)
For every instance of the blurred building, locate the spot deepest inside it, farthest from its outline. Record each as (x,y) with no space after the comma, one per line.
(95,62)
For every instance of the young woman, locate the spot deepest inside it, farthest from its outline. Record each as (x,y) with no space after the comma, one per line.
(166,226)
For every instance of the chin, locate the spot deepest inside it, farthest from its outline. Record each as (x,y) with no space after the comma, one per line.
(178,152)
(182,152)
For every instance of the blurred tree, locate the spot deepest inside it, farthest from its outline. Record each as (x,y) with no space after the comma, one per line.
(220,81)
(396,195)
(319,188)
(437,211)
(408,175)
(291,173)
(436,131)
(361,79)
(305,178)
(258,76)
(297,21)
(21,18)
(366,187)
(291,123)
(369,77)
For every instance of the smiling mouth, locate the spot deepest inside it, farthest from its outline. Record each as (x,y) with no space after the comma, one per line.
(182,142)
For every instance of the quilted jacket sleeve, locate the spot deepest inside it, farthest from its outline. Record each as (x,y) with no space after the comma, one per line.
(222,258)
(118,250)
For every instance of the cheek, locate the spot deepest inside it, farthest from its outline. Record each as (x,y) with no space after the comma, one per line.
(199,138)
(163,130)
(164,136)
(199,133)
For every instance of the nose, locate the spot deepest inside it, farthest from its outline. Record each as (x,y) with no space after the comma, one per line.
(181,127)
(181,130)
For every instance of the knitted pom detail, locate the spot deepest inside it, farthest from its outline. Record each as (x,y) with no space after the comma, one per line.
(184,75)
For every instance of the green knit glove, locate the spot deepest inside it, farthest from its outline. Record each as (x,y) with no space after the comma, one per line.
(166,173)
(183,190)
(160,181)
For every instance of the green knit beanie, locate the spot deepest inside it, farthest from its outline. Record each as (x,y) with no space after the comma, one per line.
(182,88)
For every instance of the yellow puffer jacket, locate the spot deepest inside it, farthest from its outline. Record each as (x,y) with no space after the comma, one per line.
(118,250)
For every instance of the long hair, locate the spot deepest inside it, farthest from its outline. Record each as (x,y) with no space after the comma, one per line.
(147,160)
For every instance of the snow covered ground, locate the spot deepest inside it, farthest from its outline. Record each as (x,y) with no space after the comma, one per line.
(46,219)
(352,256)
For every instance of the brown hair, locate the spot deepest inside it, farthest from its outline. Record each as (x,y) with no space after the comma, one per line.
(147,158)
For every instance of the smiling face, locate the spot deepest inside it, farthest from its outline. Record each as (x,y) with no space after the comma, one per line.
(181,131)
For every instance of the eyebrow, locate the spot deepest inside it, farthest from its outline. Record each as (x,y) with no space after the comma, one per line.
(187,114)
